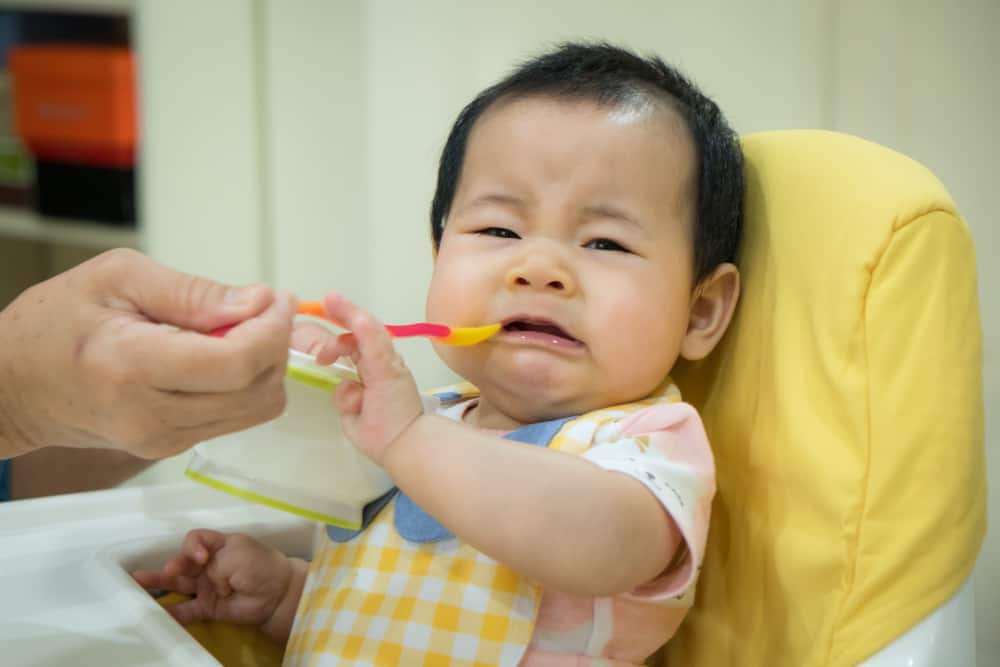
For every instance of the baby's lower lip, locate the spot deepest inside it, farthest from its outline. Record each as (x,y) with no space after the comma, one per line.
(541,338)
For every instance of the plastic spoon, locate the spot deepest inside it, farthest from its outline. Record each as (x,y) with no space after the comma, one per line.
(440,332)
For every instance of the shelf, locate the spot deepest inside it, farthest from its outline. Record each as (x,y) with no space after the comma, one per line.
(71,6)
(25,224)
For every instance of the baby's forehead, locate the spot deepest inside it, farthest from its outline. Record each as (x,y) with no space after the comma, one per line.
(501,126)
(651,109)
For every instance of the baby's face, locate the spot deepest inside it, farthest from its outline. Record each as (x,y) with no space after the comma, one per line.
(572,226)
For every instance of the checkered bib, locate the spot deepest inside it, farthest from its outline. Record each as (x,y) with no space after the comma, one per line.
(380,599)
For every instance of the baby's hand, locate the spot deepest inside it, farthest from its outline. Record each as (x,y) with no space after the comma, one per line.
(234,578)
(315,339)
(375,413)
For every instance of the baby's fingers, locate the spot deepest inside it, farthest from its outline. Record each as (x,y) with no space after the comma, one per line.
(344,345)
(182,565)
(189,611)
(149,579)
(372,341)
(311,338)
(197,549)
(200,545)
(349,397)
(160,581)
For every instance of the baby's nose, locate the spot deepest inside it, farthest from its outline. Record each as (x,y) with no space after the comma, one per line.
(542,271)
(526,282)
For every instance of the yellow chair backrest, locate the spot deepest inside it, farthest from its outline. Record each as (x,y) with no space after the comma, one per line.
(845,410)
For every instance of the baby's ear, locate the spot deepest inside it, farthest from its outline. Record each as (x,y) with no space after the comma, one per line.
(711,310)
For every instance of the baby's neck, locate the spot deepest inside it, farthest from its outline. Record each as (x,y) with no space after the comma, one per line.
(488,416)
(484,416)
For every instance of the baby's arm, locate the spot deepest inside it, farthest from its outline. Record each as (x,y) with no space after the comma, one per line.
(556,518)
(234,578)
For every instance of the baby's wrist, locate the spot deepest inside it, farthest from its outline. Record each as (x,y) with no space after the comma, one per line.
(402,444)
(278,626)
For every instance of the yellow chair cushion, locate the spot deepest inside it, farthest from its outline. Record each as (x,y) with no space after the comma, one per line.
(232,645)
(845,410)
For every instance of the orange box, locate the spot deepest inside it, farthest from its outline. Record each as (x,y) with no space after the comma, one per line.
(76,104)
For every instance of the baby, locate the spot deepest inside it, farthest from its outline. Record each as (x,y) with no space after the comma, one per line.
(554,510)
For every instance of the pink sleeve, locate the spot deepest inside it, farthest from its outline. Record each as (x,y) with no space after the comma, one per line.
(665,448)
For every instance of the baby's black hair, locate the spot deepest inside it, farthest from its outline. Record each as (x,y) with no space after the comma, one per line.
(611,76)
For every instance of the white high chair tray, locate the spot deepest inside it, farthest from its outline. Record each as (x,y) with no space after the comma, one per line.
(65,595)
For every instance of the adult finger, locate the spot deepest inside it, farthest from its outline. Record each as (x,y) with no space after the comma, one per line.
(173,440)
(173,297)
(174,360)
(153,424)
(263,400)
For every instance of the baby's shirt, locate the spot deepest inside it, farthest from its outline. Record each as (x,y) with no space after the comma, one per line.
(380,597)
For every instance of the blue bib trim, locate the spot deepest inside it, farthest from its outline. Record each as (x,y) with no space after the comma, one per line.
(368,515)
(416,525)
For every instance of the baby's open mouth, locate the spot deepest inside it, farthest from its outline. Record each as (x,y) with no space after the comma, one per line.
(544,327)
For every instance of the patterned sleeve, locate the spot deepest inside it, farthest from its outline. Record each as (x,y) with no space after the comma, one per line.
(665,448)
(4,480)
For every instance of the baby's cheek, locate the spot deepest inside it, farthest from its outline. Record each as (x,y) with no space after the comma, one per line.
(640,353)
(457,297)
(439,297)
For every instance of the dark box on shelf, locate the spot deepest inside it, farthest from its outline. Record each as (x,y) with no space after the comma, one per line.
(104,194)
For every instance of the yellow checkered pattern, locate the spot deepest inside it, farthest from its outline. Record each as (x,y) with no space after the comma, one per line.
(381,600)
(604,425)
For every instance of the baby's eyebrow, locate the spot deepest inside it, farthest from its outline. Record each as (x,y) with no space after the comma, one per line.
(496,198)
(610,211)
(499,198)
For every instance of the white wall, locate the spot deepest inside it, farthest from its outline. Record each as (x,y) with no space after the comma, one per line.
(921,77)
(200,179)
(316,146)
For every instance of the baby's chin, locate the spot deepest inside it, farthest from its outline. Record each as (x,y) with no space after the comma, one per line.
(507,410)
(524,392)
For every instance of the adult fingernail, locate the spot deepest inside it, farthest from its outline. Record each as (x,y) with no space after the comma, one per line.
(286,301)
(239,296)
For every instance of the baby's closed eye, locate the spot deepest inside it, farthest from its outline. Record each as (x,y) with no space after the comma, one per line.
(499,232)
(606,244)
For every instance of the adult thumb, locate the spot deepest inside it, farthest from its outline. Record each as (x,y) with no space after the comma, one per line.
(188,301)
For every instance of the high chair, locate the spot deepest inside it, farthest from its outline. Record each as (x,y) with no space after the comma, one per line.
(845,411)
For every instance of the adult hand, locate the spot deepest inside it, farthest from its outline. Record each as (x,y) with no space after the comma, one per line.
(109,354)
